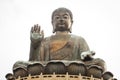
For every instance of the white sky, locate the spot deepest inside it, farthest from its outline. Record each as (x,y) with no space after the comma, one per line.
(98,21)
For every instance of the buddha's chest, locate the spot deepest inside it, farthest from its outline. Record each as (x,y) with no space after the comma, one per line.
(61,48)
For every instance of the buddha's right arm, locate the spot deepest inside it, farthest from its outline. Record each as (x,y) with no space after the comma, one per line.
(34,53)
(36,36)
(35,46)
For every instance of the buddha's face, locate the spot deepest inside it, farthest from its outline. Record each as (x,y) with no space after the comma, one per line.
(61,21)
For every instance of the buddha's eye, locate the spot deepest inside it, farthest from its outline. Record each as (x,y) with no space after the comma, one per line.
(65,17)
(57,17)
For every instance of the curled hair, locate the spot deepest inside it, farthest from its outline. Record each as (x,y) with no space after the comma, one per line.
(62,9)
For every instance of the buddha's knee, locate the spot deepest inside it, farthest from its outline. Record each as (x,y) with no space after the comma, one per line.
(101,63)
(20,63)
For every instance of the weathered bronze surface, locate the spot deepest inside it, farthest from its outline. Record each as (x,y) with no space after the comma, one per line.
(61,46)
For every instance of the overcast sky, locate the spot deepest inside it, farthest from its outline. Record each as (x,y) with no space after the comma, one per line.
(98,21)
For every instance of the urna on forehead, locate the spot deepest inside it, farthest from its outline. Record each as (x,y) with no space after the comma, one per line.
(62,9)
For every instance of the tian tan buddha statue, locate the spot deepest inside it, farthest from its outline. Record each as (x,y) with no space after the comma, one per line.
(61,52)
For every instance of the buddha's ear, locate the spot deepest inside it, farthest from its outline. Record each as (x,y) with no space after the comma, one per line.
(70,29)
(53,26)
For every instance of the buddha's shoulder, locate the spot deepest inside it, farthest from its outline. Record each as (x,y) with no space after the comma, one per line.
(77,37)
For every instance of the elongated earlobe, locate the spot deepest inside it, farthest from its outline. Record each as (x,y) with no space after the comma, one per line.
(53,27)
(53,31)
(70,29)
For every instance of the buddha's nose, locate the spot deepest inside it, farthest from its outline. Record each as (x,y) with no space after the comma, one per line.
(61,20)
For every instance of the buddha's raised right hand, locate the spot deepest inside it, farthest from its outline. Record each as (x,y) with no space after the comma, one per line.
(36,33)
